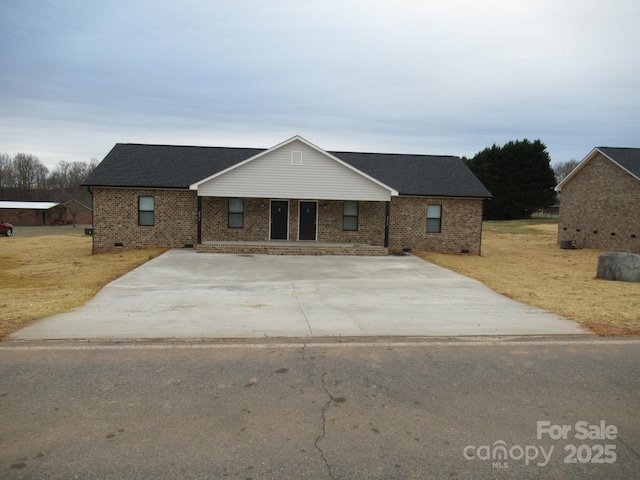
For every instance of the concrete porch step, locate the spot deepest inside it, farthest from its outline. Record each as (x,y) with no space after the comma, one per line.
(291,248)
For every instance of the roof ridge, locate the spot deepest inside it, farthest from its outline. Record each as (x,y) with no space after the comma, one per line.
(621,148)
(135,144)
(167,145)
(396,154)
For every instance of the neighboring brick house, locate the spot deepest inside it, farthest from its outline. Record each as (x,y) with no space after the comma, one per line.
(600,201)
(294,198)
(30,214)
(70,213)
(37,214)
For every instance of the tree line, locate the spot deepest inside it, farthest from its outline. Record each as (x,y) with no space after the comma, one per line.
(24,177)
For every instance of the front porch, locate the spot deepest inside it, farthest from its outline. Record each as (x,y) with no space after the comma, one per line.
(291,248)
(291,226)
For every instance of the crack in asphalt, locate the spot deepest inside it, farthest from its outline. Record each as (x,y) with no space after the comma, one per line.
(628,447)
(293,285)
(323,413)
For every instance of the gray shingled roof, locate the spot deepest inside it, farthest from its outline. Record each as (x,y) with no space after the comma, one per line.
(164,166)
(418,174)
(627,158)
(167,166)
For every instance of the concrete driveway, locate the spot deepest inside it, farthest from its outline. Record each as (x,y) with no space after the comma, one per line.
(182,294)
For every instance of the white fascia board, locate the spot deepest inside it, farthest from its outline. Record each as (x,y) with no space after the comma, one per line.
(28,205)
(392,192)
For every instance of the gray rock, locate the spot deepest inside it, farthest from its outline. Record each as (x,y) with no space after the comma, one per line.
(624,267)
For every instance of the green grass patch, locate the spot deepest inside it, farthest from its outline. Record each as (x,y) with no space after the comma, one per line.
(23,231)
(518,227)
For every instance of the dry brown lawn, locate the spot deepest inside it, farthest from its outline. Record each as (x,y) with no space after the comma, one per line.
(48,274)
(521,260)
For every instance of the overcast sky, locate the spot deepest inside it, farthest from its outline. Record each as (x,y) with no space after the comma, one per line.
(433,77)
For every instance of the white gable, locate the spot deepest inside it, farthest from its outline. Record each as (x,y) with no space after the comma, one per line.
(294,169)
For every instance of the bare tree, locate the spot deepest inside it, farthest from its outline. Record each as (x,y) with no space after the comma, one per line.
(71,175)
(93,163)
(25,177)
(77,173)
(74,207)
(6,172)
(562,169)
(29,172)
(58,179)
(41,174)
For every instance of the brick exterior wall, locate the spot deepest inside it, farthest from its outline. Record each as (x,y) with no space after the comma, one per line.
(25,217)
(84,216)
(600,208)
(61,215)
(371,220)
(215,223)
(115,219)
(215,220)
(461,226)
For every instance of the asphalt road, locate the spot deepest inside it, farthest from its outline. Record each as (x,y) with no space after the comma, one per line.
(463,409)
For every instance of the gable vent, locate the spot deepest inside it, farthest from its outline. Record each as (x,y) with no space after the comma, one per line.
(296,158)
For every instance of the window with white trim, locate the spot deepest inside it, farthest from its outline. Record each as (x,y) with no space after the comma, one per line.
(146,211)
(350,216)
(434,218)
(236,213)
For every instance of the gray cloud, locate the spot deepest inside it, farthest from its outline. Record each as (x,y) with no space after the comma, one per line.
(408,76)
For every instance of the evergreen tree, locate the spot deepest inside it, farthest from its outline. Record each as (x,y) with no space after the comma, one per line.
(520,177)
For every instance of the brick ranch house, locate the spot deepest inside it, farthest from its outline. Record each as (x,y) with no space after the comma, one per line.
(600,201)
(294,198)
(36,214)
